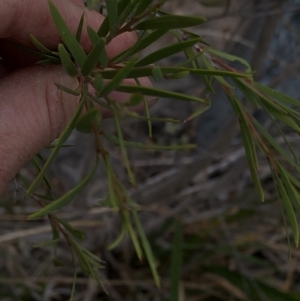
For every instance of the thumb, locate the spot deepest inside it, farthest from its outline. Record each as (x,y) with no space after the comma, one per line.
(33,111)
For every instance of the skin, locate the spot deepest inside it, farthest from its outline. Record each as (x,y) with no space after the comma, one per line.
(33,112)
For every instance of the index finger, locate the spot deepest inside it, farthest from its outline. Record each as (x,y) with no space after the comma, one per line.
(19,19)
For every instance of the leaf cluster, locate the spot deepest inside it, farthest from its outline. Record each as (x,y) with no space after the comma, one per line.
(97,72)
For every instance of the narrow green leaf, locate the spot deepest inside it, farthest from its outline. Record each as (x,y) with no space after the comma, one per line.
(252,159)
(112,13)
(249,144)
(275,144)
(166,52)
(290,190)
(277,95)
(85,123)
(93,58)
(73,284)
(61,140)
(80,235)
(68,90)
(283,117)
(36,163)
(70,41)
(119,239)
(147,71)
(176,261)
(169,22)
(134,100)
(248,93)
(67,61)
(139,145)
(142,6)
(133,236)
(123,147)
(95,39)
(158,93)
(38,45)
(230,57)
(93,35)
(157,74)
(198,112)
(53,57)
(117,79)
(290,211)
(110,180)
(141,44)
(220,79)
(66,198)
(46,243)
(79,28)
(104,28)
(178,75)
(147,248)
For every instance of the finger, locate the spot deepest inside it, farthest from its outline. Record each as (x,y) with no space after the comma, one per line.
(21,18)
(33,112)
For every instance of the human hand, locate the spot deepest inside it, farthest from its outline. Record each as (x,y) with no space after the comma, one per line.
(33,112)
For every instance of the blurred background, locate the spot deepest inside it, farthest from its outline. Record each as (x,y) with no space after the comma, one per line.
(212,238)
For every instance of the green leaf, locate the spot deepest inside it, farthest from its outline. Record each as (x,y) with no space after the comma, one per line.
(134,100)
(112,14)
(85,123)
(66,198)
(95,39)
(99,83)
(289,210)
(230,57)
(79,28)
(209,66)
(290,190)
(147,71)
(61,140)
(158,93)
(178,75)
(67,61)
(142,6)
(46,243)
(176,261)
(38,45)
(111,181)
(139,145)
(80,235)
(275,144)
(277,95)
(147,248)
(123,147)
(119,239)
(141,44)
(249,143)
(67,37)
(104,28)
(169,22)
(198,112)
(117,79)
(132,235)
(157,74)
(93,58)
(166,52)
(68,90)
